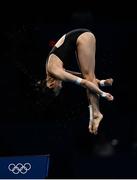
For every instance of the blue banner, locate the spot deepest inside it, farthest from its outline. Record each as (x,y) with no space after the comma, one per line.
(24,167)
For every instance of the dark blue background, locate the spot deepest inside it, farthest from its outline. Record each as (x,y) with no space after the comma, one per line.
(39,167)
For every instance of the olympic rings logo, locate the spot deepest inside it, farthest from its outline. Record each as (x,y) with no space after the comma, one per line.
(19,168)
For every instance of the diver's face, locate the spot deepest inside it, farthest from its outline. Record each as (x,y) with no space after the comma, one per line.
(57,87)
(54,84)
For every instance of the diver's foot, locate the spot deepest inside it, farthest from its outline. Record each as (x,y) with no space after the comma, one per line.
(94,124)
